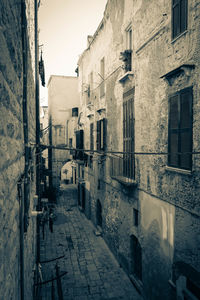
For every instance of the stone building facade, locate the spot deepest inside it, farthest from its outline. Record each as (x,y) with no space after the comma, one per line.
(63,100)
(139,118)
(17,151)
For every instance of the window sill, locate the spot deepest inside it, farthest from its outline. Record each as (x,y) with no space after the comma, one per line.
(126,76)
(125,180)
(179,36)
(177,170)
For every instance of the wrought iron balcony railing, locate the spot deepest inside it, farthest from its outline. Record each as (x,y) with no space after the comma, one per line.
(123,168)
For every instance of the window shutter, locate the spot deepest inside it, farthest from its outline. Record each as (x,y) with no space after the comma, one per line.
(173,130)
(180,130)
(91,136)
(98,135)
(183,17)
(104,133)
(179,17)
(186,128)
(81,143)
(176,18)
(77,139)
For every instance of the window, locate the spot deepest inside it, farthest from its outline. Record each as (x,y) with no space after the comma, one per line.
(101,134)
(135,217)
(180,130)
(75,112)
(70,145)
(126,56)
(128,133)
(179,17)
(102,75)
(136,257)
(91,136)
(79,144)
(91,83)
(129,38)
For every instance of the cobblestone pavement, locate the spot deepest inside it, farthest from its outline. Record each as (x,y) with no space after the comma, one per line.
(92,271)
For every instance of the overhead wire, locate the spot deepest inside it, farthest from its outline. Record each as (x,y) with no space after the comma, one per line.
(113,151)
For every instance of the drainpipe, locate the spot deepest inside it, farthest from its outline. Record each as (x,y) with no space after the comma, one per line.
(50,155)
(37,112)
(23,216)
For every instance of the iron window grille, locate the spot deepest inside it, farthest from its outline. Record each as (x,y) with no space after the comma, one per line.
(123,167)
(128,134)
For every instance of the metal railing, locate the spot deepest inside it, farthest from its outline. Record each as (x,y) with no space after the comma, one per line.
(123,167)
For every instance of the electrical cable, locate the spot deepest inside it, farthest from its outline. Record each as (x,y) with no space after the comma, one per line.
(114,152)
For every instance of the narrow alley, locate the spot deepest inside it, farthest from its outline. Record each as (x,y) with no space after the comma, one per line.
(73,247)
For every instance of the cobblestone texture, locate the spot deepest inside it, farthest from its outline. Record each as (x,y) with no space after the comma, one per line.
(93,272)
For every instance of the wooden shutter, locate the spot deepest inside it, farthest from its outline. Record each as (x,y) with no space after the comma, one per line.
(180,130)
(176,17)
(179,17)
(173,130)
(81,142)
(91,136)
(186,128)
(183,15)
(103,134)
(77,139)
(98,135)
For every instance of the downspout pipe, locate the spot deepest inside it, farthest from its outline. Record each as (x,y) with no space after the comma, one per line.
(37,117)
(24,202)
(50,154)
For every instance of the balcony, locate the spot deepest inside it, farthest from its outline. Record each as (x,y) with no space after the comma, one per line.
(126,57)
(122,169)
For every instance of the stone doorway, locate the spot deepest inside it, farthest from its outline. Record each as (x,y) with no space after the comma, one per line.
(136,257)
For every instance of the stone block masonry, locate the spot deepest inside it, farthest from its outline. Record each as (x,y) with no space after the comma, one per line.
(151,223)
(12,160)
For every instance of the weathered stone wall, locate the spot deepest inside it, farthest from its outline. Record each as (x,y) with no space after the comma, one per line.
(62,97)
(155,55)
(12,161)
(167,201)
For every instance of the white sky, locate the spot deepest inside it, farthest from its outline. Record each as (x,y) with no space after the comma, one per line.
(63,29)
